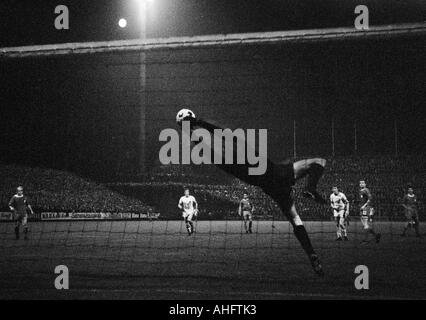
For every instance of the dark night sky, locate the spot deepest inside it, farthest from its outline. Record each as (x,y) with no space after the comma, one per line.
(24,22)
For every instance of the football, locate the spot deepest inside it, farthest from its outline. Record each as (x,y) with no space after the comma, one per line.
(184,114)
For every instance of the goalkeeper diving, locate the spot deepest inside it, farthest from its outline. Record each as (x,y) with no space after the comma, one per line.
(277,181)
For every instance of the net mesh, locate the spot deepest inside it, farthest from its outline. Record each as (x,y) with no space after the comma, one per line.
(90,108)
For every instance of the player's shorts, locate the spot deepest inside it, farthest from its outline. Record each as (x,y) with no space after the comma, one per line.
(339,213)
(278,183)
(367,211)
(21,218)
(411,214)
(188,215)
(247,215)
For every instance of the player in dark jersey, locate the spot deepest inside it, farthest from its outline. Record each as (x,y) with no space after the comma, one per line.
(245,210)
(18,204)
(367,212)
(410,205)
(277,182)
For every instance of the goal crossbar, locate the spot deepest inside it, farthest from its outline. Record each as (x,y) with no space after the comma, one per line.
(243,39)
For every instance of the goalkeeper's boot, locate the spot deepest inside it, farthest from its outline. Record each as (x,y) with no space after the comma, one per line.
(314,195)
(17,233)
(378,236)
(316,265)
(339,239)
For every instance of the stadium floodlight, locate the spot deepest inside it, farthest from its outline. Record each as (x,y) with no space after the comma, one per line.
(122,23)
(144,7)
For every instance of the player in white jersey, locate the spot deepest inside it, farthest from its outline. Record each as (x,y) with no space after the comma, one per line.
(189,207)
(340,207)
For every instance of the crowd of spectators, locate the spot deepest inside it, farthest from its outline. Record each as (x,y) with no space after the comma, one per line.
(218,193)
(51,190)
(387,177)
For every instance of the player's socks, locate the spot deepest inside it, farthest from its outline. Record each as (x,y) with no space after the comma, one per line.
(26,233)
(316,265)
(250,224)
(17,233)
(378,236)
(302,236)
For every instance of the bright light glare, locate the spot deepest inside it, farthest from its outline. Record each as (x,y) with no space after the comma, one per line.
(122,23)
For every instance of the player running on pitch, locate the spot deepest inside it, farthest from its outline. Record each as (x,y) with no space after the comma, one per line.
(189,205)
(245,210)
(411,212)
(340,207)
(18,204)
(277,182)
(367,212)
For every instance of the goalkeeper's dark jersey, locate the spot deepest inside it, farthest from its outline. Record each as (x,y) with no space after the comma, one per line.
(277,181)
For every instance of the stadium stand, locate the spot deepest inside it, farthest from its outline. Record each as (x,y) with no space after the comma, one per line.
(386,176)
(60,191)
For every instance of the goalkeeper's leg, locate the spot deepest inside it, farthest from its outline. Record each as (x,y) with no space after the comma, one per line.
(287,207)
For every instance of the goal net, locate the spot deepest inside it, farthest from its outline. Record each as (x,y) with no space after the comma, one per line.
(80,131)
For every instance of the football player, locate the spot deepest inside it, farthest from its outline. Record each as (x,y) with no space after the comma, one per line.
(411,212)
(189,207)
(277,182)
(340,208)
(245,210)
(367,212)
(18,204)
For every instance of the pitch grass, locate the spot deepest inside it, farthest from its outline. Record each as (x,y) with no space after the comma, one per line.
(158,260)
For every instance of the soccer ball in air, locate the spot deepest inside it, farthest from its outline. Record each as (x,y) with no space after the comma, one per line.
(184,114)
